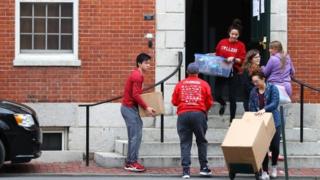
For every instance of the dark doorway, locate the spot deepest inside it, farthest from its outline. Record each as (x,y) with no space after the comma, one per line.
(207,22)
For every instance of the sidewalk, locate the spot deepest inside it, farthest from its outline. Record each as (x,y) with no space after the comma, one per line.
(79,168)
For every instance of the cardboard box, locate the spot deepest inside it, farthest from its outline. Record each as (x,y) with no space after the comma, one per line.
(248,139)
(154,100)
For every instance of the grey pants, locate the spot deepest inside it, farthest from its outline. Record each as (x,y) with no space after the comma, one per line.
(134,127)
(190,123)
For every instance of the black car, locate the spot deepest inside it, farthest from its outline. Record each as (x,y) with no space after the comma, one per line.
(20,136)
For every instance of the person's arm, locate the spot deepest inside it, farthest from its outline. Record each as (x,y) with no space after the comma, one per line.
(218,49)
(292,70)
(241,54)
(268,68)
(274,99)
(209,99)
(175,96)
(136,92)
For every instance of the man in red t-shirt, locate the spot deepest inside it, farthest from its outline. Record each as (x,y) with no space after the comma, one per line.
(193,98)
(129,110)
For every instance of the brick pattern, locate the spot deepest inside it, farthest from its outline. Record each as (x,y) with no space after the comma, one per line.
(80,168)
(303,44)
(111,34)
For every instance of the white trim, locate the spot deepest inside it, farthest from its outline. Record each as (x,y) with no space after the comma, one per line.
(36,59)
(63,133)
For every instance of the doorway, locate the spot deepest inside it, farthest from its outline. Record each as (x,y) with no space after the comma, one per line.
(207,22)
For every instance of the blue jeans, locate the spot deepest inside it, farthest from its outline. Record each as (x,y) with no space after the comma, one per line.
(190,123)
(134,127)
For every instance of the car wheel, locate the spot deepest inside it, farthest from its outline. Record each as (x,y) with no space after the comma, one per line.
(2,153)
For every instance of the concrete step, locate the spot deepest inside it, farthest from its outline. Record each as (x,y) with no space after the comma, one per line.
(216,107)
(218,134)
(214,148)
(214,121)
(111,159)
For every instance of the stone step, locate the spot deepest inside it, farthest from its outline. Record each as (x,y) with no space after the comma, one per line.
(218,134)
(214,121)
(214,148)
(216,107)
(111,160)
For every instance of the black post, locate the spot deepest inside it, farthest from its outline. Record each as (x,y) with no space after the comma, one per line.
(179,71)
(301,111)
(284,143)
(162,117)
(87,134)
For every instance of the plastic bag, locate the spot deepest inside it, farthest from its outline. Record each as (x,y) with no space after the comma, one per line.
(283,95)
(213,65)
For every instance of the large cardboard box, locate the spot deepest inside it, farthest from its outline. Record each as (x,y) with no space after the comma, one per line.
(247,140)
(154,100)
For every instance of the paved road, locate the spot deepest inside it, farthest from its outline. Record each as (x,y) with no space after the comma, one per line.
(122,178)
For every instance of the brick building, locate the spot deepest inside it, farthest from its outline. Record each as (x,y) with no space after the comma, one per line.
(57,54)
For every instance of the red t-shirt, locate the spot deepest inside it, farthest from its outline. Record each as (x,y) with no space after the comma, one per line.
(192,94)
(237,49)
(133,89)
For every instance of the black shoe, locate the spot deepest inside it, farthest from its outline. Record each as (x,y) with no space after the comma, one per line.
(186,173)
(222,109)
(205,171)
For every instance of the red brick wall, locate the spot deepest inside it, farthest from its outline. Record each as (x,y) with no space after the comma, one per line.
(304,44)
(111,34)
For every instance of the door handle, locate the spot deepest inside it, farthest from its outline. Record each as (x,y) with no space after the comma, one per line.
(263,43)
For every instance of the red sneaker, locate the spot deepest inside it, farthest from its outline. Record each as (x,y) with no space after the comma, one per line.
(134,167)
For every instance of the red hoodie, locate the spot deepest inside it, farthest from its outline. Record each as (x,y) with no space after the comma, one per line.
(133,89)
(192,94)
(237,49)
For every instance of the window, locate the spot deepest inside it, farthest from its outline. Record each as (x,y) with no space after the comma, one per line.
(46,33)
(54,138)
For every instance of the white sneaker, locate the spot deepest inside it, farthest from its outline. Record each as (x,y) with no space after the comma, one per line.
(186,176)
(274,172)
(264,176)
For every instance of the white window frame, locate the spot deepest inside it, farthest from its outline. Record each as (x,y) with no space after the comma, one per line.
(62,131)
(47,59)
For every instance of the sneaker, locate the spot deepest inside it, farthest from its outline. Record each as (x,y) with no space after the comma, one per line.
(205,171)
(134,167)
(264,176)
(222,109)
(186,173)
(274,172)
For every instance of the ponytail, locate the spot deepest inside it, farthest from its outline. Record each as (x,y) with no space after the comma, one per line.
(283,55)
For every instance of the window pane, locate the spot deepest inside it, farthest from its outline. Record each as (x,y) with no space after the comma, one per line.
(53,25)
(53,10)
(66,10)
(25,9)
(40,9)
(53,42)
(26,25)
(39,42)
(51,141)
(26,42)
(66,42)
(66,26)
(39,25)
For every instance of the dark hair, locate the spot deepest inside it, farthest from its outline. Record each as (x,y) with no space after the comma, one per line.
(249,56)
(258,73)
(141,58)
(236,24)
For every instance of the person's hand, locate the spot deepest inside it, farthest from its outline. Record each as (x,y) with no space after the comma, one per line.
(151,111)
(230,59)
(261,112)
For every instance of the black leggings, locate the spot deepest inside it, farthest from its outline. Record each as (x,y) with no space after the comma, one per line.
(231,82)
(274,148)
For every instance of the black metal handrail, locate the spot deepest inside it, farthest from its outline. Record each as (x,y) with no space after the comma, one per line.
(177,70)
(302,85)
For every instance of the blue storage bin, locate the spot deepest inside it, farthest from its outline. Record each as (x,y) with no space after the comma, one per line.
(213,65)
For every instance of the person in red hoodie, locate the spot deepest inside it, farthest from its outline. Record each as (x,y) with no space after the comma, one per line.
(233,51)
(129,110)
(193,99)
